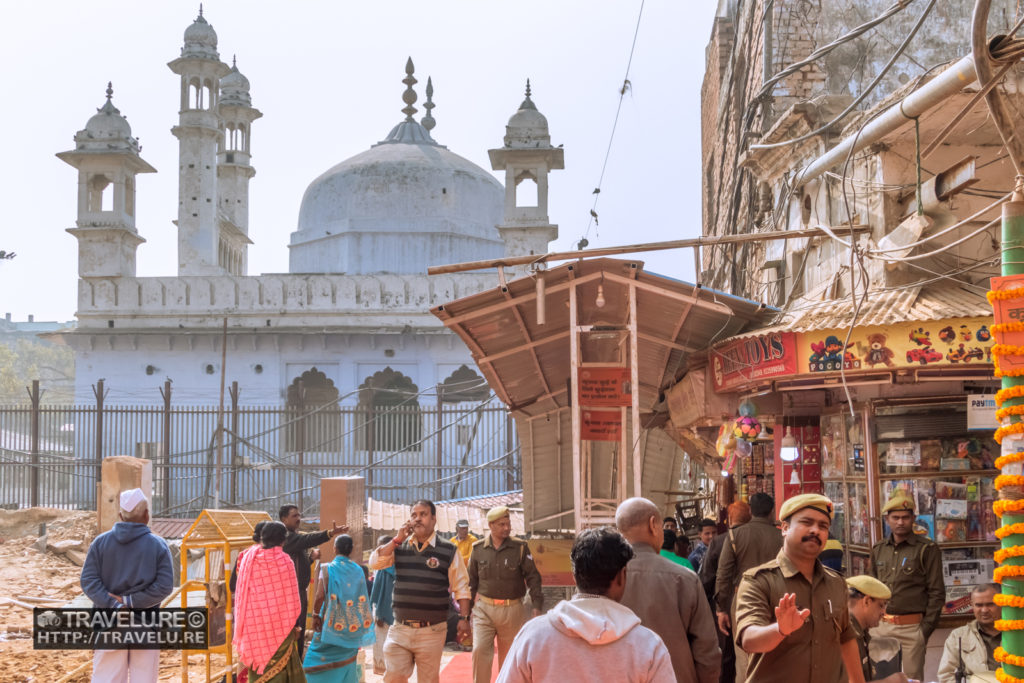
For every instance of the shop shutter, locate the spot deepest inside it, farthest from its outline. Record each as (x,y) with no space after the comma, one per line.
(929,425)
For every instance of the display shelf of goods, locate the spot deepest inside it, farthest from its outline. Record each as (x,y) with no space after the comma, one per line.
(950,510)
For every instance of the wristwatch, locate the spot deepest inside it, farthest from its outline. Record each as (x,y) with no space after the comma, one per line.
(464,617)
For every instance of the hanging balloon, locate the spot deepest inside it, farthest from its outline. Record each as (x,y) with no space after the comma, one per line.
(747,409)
(743,448)
(746,428)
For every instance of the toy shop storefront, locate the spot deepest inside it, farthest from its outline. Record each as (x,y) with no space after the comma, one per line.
(857,415)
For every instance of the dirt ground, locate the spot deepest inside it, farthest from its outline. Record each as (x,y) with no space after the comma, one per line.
(26,572)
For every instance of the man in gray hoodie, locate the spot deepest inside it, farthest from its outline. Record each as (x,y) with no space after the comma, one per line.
(591,637)
(128,567)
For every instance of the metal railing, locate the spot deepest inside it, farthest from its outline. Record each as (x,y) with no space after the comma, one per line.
(50,454)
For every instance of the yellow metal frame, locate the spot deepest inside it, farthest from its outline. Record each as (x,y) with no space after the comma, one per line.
(224,530)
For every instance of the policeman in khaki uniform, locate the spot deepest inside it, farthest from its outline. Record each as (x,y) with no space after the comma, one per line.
(868,597)
(911,566)
(791,613)
(500,570)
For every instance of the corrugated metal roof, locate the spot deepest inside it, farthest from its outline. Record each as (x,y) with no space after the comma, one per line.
(169,527)
(884,307)
(487,502)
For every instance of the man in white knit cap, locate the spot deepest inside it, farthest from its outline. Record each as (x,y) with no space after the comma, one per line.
(128,567)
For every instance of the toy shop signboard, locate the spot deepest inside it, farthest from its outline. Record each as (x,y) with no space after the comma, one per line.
(950,342)
(754,358)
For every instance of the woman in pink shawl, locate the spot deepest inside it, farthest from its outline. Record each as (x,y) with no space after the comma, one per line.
(266,609)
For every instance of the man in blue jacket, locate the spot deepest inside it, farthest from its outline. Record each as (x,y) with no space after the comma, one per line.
(128,567)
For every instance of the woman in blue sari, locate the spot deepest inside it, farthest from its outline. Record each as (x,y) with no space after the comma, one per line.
(343,622)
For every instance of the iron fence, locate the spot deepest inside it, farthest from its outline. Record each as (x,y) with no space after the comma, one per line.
(50,454)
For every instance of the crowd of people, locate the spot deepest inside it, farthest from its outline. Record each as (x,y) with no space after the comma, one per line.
(754,603)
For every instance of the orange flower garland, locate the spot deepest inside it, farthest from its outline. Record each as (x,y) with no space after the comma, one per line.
(1006,460)
(1001,507)
(1009,480)
(1003,553)
(1004,600)
(1012,428)
(1009,530)
(1017,391)
(1009,410)
(1004,657)
(1004,677)
(1004,294)
(1010,624)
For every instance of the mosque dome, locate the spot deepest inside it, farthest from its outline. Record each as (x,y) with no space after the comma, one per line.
(527,128)
(200,39)
(106,129)
(403,205)
(234,88)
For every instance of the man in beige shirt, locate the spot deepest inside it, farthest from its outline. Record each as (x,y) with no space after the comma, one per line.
(428,571)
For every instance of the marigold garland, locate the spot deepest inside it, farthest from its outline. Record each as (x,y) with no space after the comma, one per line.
(1001,507)
(1013,428)
(1009,530)
(1008,393)
(1001,655)
(1004,677)
(1003,553)
(1004,480)
(1010,624)
(1004,600)
(1002,328)
(1009,410)
(1007,350)
(1008,570)
(1003,460)
(1004,294)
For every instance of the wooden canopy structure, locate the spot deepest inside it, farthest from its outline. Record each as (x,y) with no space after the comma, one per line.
(534,336)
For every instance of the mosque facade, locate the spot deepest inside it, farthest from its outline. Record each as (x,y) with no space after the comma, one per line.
(353,310)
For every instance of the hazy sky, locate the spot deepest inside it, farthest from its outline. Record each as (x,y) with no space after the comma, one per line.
(327,77)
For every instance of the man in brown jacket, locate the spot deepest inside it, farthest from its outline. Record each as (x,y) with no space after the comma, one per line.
(746,546)
(667,596)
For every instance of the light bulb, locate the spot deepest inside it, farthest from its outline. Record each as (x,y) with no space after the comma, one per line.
(789,450)
(599,301)
(725,473)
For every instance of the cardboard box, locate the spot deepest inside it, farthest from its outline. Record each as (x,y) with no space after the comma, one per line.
(967,572)
(958,600)
(950,509)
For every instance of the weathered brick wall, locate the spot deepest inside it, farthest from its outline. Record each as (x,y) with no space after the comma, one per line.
(734,200)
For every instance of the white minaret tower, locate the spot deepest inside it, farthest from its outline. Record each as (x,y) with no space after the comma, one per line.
(107,158)
(526,158)
(198,132)
(234,170)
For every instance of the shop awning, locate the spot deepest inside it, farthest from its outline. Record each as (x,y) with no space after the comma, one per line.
(882,307)
(527,362)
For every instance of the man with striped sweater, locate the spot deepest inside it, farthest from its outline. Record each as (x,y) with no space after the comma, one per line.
(428,572)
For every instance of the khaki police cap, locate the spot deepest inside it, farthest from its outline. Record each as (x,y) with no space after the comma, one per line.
(900,501)
(497,513)
(806,500)
(869,586)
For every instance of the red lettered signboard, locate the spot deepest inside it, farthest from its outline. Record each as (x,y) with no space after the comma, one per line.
(754,358)
(1009,311)
(601,425)
(605,387)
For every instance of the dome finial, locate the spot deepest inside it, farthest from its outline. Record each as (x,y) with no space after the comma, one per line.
(528,103)
(428,121)
(527,88)
(200,9)
(409,96)
(234,61)
(110,90)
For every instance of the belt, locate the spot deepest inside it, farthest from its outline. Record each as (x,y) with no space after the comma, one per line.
(418,623)
(903,619)
(502,603)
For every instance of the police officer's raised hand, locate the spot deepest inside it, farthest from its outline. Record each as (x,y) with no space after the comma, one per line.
(788,617)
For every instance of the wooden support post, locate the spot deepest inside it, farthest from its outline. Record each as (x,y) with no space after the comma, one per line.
(574,362)
(99,392)
(634,378)
(165,457)
(439,442)
(33,394)
(234,392)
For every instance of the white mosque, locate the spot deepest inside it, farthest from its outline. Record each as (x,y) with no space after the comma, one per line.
(353,310)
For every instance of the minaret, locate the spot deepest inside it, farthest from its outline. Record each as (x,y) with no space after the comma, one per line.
(198,132)
(527,157)
(234,170)
(107,158)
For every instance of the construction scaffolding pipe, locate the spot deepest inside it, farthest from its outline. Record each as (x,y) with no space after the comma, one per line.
(946,84)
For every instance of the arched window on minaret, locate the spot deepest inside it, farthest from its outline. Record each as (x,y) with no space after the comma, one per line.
(99,193)
(389,406)
(526,189)
(209,95)
(315,420)
(195,94)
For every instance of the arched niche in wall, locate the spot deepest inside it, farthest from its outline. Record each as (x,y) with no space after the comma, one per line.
(315,420)
(391,411)
(464,385)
